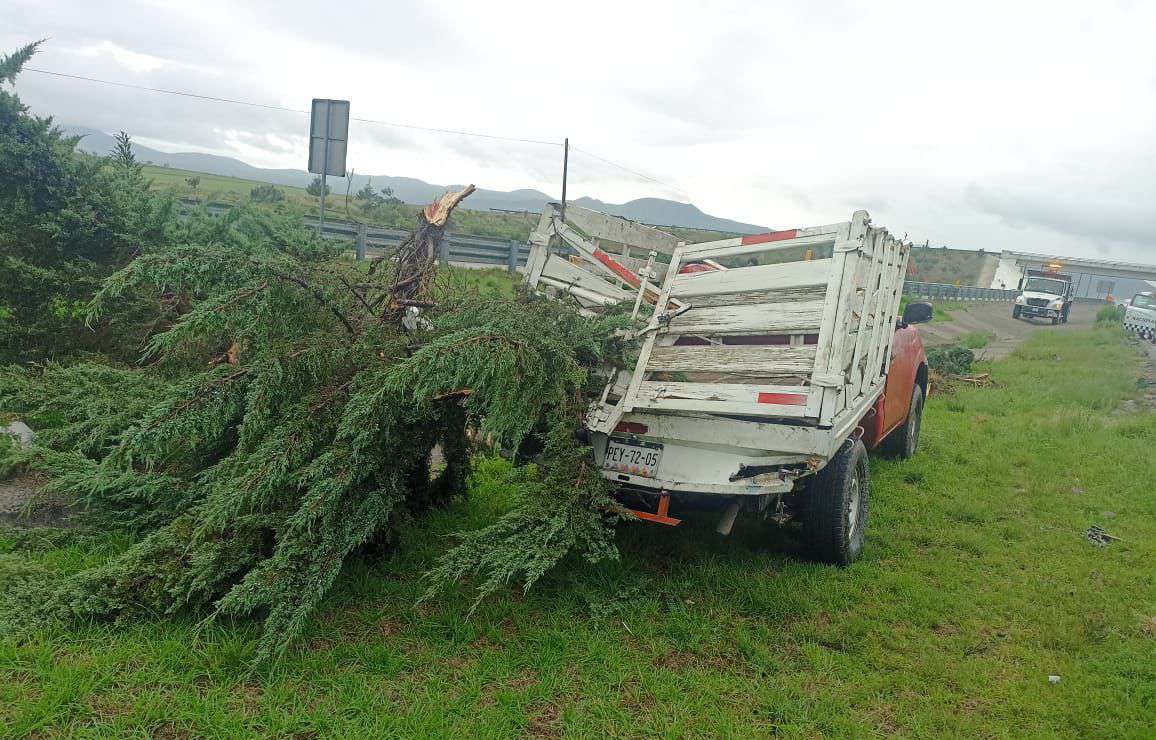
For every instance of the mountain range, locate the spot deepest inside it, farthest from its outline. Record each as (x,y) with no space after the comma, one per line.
(656,211)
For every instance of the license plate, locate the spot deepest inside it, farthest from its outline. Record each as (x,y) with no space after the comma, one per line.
(633,457)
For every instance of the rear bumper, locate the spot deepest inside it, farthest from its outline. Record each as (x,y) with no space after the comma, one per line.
(706,467)
(757,486)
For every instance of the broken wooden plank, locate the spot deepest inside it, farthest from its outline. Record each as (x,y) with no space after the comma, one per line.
(620,230)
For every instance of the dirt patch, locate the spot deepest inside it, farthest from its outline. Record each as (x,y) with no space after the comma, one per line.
(544,722)
(1150,378)
(23,502)
(995,319)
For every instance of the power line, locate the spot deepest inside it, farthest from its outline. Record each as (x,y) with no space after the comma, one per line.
(624,168)
(251,104)
(167,92)
(414,127)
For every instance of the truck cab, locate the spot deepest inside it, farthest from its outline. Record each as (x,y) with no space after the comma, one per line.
(1046,295)
(1140,315)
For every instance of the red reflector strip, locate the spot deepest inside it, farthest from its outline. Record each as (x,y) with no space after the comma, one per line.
(774,236)
(618,269)
(784,399)
(631,427)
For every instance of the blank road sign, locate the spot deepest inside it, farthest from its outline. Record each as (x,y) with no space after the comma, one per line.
(328,135)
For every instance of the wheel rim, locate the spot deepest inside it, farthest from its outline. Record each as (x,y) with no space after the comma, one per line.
(913,427)
(853,497)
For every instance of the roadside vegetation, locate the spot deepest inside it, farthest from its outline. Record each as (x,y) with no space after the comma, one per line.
(975,339)
(277,409)
(1111,315)
(977,583)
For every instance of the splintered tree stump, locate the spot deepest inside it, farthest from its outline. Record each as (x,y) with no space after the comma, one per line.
(417,255)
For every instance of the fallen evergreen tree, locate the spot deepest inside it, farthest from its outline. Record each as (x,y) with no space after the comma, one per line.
(285,417)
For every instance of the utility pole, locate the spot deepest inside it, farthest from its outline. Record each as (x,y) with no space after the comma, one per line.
(565,167)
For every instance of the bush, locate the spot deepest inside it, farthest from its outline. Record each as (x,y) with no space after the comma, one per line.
(1111,315)
(67,221)
(951,360)
(266,194)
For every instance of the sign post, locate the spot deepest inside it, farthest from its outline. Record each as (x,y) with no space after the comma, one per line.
(328,143)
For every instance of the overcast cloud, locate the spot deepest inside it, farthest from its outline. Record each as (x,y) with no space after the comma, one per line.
(977,125)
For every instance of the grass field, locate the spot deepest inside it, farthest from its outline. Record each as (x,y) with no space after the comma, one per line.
(975,339)
(977,583)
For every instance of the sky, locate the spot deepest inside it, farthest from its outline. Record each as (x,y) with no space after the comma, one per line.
(1003,125)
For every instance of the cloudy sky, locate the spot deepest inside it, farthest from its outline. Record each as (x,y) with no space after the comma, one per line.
(1004,125)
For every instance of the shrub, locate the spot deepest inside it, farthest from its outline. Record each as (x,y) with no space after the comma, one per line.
(67,221)
(950,360)
(266,194)
(1111,315)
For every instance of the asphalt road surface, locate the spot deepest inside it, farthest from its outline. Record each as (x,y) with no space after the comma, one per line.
(994,318)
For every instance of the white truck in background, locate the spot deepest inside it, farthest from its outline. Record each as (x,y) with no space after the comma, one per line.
(1044,294)
(1140,315)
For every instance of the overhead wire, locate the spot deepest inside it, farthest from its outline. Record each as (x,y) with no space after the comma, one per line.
(266,106)
(393,124)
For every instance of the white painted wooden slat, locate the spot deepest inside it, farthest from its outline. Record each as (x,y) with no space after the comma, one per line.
(608,421)
(763,277)
(874,252)
(784,295)
(800,317)
(564,271)
(598,225)
(735,392)
(705,251)
(694,249)
(734,359)
(884,330)
(837,310)
(718,398)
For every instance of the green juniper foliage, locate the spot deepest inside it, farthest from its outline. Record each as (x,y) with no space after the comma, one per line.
(66,222)
(274,407)
(284,420)
(950,360)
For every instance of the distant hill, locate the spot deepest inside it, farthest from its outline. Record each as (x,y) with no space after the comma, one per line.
(411,190)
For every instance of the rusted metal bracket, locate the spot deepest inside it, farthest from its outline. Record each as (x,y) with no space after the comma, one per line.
(659,517)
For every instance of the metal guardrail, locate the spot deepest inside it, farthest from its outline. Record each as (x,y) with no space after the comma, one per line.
(957,292)
(368,240)
(458,249)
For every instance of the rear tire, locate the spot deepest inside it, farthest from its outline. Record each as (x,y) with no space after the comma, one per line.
(904,439)
(1015,312)
(837,507)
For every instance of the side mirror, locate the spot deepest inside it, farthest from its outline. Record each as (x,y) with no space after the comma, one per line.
(917,313)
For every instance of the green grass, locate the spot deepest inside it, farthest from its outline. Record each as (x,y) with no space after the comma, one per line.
(492,283)
(977,583)
(976,339)
(941,310)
